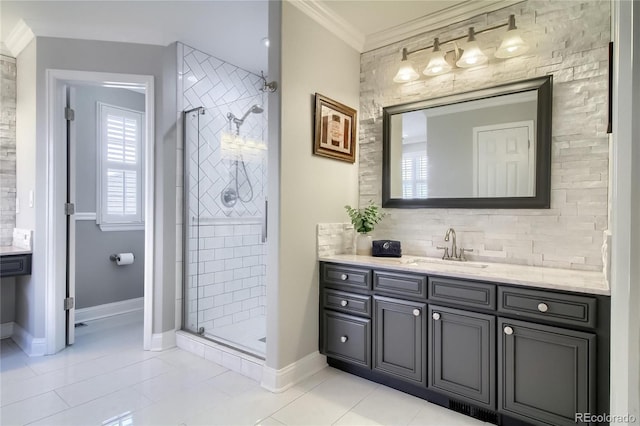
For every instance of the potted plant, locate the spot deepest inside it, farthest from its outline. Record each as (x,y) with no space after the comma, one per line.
(364,220)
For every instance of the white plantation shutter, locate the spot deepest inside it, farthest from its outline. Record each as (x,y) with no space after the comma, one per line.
(414,175)
(121,167)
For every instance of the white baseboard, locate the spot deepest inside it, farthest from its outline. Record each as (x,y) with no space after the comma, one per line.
(280,380)
(109,309)
(30,345)
(6,330)
(163,341)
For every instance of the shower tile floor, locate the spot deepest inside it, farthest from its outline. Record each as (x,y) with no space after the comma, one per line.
(248,335)
(106,379)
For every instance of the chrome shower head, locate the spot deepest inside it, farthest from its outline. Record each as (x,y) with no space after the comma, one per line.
(255,109)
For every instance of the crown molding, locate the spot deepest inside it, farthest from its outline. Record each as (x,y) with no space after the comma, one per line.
(319,12)
(19,38)
(448,16)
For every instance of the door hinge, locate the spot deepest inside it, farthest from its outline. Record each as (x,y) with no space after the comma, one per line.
(68,303)
(69,114)
(69,209)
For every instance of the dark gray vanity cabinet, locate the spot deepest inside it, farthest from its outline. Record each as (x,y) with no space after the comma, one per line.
(462,355)
(546,374)
(504,354)
(400,343)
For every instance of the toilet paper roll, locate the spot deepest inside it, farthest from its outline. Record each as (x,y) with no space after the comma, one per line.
(124,258)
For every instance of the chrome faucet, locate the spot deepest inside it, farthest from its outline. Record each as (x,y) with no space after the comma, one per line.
(454,255)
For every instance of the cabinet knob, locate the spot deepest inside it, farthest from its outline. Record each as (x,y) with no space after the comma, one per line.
(508,331)
(435,316)
(416,312)
(344,303)
(542,307)
(344,339)
(344,277)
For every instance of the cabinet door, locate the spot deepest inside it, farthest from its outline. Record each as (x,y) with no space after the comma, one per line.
(400,338)
(546,374)
(462,355)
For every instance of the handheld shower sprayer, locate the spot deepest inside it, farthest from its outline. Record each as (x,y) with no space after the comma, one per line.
(255,109)
(231,194)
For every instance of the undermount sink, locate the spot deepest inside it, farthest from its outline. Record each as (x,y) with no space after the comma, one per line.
(410,260)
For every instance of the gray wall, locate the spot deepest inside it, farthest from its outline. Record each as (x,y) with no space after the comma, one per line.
(7,300)
(99,280)
(114,57)
(450,146)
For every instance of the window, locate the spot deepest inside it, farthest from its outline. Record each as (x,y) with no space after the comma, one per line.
(120,165)
(414,175)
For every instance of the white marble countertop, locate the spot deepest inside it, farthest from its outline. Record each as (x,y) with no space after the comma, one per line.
(533,276)
(8,250)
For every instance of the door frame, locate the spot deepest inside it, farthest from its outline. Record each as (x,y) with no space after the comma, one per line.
(55,192)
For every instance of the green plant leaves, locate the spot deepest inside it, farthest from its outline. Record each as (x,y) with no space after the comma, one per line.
(364,220)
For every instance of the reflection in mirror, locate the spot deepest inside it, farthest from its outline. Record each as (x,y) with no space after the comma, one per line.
(483,149)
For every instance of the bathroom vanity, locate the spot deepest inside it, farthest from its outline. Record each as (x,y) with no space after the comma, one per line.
(507,344)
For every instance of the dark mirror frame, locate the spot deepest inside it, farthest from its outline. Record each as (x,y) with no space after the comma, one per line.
(542,198)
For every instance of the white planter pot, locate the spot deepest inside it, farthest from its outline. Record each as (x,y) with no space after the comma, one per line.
(363,244)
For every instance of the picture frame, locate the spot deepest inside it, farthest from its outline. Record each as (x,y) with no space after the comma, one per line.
(334,130)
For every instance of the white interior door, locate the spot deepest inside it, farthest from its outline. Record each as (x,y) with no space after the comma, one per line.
(504,160)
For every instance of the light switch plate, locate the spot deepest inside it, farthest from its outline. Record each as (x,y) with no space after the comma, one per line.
(22,238)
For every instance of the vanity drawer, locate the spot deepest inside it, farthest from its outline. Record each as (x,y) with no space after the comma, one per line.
(400,284)
(347,337)
(346,276)
(347,302)
(460,292)
(15,264)
(561,308)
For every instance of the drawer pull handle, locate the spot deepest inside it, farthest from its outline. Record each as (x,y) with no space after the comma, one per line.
(344,339)
(436,316)
(344,303)
(542,307)
(344,277)
(416,312)
(508,331)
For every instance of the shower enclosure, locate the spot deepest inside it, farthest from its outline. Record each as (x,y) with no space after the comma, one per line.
(225,223)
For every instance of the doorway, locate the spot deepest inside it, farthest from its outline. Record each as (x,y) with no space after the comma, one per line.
(62,198)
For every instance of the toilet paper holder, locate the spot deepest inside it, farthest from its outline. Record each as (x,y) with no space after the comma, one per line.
(113,257)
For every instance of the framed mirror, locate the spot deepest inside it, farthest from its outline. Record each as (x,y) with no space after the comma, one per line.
(490,148)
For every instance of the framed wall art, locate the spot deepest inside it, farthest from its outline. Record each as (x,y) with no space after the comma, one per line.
(335,130)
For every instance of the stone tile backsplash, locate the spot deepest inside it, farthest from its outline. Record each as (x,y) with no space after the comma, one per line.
(569,39)
(7,149)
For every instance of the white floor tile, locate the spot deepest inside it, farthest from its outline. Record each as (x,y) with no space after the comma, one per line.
(107,376)
(384,406)
(327,402)
(31,409)
(99,410)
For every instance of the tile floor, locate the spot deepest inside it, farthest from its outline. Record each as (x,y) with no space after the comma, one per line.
(107,379)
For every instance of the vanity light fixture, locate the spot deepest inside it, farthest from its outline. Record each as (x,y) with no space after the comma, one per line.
(437,64)
(473,55)
(512,43)
(407,71)
(441,62)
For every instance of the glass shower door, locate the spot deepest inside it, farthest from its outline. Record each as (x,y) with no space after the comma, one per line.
(225,181)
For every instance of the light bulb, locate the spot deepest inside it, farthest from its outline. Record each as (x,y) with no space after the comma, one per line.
(407,71)
(473,55)
(437,64)
(512,43)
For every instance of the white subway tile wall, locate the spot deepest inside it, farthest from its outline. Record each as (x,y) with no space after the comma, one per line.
(225,265)
(7,149)
(569,39)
